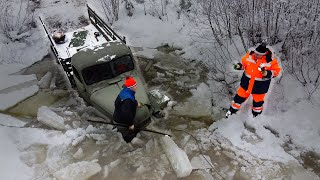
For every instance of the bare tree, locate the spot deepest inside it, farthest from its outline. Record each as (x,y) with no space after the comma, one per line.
(157,8)
(111,9)
(302,46)
(16,20)
(293,23)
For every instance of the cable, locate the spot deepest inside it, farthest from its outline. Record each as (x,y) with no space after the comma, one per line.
(126,126)
(197,142)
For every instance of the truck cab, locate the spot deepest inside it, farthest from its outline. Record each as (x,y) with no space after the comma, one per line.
(96,61)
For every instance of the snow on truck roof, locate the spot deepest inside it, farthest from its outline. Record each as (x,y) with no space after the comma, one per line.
(99,54)
(80,39)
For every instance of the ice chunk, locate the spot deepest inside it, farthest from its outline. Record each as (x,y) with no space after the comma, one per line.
(206,175)
(7,120)
(106,171)
(91,129)
(79,154)
(45,81)
(141,169)
(199,105)
(50,118)
(93,156)
(53,82)
(201,162)
(78,140)
(114,164)
(146,53)
(177,157)
(11,98)
(185,140)
(149,146)
(78,171)
(98,137)
(76,124)
(137,141)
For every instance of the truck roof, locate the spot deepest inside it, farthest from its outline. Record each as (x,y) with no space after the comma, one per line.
(81,38)
(108,51)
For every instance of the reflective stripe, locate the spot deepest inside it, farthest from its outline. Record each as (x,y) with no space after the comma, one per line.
(265,65)
(249,59)
(262,79)
(259,53)
(257,79)
(257,110)
(248,76)
(235,105)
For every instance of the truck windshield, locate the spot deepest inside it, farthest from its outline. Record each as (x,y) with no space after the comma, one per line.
(107,70)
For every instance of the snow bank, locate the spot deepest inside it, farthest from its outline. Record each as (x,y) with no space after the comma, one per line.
(78,171)
(155,32)
(177,157)
(300,124)
(50,118)
(238,129)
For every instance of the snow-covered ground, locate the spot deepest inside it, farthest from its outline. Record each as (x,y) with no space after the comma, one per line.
(288,128)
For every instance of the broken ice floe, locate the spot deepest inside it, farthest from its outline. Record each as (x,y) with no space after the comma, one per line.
(7,120)
(78,171)
(79,154)
(10,99)
(45,81)
(177,157)
(201,162)
(50,118)
(199,105)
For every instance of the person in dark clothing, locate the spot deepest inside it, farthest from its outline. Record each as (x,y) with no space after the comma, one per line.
(125,110)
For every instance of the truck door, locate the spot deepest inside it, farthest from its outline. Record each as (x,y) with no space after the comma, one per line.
(79,83)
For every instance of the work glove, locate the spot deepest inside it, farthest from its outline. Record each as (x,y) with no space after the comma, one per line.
(237,66)
(265,73)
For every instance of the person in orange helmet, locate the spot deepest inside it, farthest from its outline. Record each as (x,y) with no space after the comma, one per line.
(259,68)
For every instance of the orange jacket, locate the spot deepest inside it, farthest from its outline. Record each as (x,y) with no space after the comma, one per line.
(252,80)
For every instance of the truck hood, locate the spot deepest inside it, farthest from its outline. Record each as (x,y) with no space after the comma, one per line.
(104,98)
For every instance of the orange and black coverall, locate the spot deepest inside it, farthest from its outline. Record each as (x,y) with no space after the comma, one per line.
(252,81)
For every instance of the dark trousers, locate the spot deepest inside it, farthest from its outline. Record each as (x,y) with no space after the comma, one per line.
(127,134)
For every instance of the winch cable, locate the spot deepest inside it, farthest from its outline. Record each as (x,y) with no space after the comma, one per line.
(202,154)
